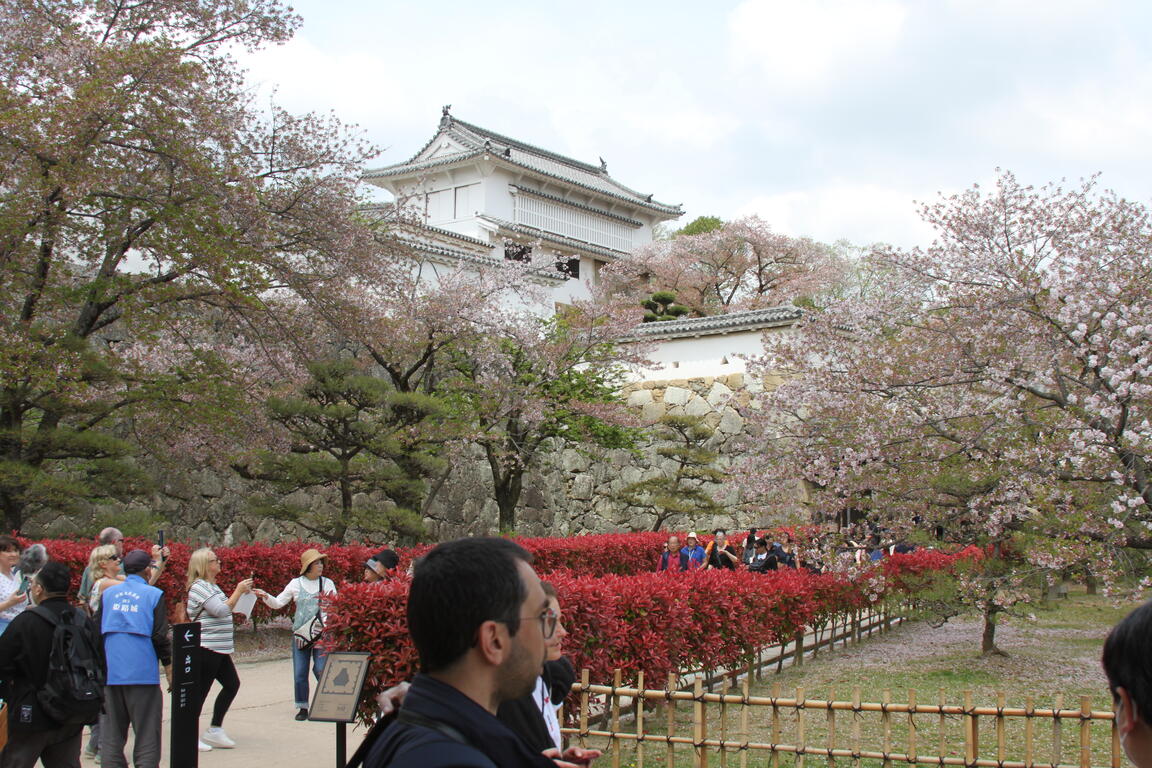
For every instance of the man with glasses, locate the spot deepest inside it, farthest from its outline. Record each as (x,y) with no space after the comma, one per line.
(1127,661)
(480,622)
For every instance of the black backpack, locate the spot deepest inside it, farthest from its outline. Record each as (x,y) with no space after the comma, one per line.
(73,694)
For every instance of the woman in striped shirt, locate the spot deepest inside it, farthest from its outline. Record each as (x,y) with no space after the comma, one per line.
(208,605)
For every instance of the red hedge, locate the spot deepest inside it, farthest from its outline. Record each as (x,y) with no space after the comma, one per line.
(655,622)
(274,565)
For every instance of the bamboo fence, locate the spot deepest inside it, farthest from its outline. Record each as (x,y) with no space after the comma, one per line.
(686,723)
(692,727)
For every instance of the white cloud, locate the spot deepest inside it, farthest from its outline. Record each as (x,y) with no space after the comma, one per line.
(800,45)
(861,213)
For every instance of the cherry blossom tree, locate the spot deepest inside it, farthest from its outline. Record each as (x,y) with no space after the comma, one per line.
(531,381)
(994,385)
(141,190)
(734,266)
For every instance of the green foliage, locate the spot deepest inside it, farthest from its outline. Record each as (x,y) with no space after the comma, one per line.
(356,434)
(662,306)
(679,490)
(522,390)
(700,225)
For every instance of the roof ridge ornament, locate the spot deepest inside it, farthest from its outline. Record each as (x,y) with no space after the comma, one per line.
(445,116)
(603,165)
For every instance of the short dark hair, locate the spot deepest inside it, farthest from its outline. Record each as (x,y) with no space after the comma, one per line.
(718,531)
(9,544)
(458,586)
(55,577)
(1127,659)
(387,558)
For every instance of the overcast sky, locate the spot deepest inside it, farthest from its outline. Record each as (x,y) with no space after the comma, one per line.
(828,118)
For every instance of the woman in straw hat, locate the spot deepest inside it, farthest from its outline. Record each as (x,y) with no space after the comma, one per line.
(306,590)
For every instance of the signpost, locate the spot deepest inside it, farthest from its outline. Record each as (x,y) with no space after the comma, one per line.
(338,695)
(185,677)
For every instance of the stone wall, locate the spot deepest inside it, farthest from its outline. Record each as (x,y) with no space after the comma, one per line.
(570,491)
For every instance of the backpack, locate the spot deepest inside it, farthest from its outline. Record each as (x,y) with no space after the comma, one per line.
(73,693)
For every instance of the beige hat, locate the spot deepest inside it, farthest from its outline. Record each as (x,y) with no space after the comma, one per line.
(309,556)
(692,535)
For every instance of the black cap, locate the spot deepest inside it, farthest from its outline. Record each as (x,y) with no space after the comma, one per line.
(137,561)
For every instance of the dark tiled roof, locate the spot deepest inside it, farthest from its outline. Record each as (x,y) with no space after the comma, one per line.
(733,322)
(480,141)
(415,239)
(550,237)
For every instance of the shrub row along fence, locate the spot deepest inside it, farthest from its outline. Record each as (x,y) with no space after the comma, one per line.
(274,565)
(651,623)
(619,613)
(675,727)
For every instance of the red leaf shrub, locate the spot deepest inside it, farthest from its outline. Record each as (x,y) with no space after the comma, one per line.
(658,623)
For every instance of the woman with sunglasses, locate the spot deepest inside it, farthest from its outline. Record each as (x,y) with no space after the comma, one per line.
(208,605)
(104,570)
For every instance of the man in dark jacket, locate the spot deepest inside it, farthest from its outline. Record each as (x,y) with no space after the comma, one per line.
(480,621)
(24,654)
(672,558)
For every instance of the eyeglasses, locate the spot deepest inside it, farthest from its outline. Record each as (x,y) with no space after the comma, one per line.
(113,558)
(548,621)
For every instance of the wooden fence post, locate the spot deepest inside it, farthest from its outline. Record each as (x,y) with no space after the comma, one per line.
(856,727)
(831,726)
(616,684)
(971,732)
(912,727)
(584,708)
(699,724)
(639,703)
(1029,708)
(798,649)
(886,725)
(1116,750)
(774,760)
(1085,732)
(1058,731)
(801,736)
(1001,744)
(670,717)
(744,722)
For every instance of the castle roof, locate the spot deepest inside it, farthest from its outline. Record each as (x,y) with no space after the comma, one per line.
(734,322)
(468,141)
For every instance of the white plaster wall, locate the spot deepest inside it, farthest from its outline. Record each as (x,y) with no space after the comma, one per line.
(714,355)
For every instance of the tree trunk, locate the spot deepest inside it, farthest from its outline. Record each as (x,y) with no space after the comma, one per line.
(13,514)
(988,639)
(507,493)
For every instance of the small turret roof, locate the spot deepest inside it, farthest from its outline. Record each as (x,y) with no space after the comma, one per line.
(479,142)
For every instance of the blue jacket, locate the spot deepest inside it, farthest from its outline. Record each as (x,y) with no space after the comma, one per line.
(134,623)
(695,557)
(483,741)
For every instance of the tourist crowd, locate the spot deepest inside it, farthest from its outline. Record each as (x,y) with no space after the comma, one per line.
(94,657)
(761,554)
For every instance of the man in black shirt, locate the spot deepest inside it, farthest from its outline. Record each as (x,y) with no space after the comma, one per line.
(480,622)
(24,655)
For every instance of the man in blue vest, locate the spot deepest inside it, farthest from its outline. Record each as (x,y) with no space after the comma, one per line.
(134,623)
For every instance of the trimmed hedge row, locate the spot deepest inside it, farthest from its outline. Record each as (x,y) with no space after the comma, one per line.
(654,622)
(274,565)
